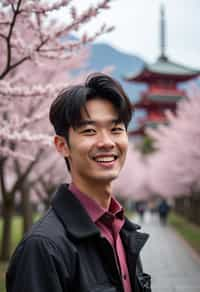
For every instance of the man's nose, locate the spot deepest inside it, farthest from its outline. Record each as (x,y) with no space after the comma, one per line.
(105,140)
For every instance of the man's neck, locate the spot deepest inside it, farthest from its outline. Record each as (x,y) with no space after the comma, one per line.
(101,193)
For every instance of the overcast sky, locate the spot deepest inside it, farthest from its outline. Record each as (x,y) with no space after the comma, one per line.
(137,28)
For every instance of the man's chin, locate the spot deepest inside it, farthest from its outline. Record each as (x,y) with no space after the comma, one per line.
(108,178)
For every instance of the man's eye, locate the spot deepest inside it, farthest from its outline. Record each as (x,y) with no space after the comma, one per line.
(88,131)
(117,129)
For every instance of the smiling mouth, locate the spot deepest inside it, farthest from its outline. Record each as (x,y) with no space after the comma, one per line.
(105,159)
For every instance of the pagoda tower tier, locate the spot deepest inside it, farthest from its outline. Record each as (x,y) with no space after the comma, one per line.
(162,93)
(163,70)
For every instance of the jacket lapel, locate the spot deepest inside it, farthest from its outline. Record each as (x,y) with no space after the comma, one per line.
(72,214)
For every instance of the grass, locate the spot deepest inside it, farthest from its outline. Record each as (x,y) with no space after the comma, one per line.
(16,231)
(3,267)
(190,232)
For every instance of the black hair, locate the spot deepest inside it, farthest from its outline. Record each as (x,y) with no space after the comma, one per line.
(65,111)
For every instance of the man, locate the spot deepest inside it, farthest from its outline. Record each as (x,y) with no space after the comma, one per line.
(84,243)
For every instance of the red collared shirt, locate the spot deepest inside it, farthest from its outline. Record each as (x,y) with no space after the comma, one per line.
(110,223)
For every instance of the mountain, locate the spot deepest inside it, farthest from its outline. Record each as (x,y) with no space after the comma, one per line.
(103,55)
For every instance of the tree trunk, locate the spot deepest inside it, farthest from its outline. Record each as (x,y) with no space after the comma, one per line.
(195,208)
(26,210)
(7,212)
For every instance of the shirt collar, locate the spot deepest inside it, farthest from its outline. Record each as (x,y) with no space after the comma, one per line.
(94,210)
(116,209)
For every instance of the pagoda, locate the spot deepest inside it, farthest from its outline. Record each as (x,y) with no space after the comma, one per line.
(161,79)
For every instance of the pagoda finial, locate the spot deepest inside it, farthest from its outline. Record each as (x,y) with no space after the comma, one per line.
(162,33)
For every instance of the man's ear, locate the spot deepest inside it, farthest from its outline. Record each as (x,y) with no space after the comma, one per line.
(61,145)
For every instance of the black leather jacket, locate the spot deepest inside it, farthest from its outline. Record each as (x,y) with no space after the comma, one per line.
(65,252)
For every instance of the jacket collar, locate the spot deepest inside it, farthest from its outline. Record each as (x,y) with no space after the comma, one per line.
(133,239)
(72,214)
(78,223)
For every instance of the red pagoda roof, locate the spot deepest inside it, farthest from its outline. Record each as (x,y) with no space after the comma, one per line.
(163,69)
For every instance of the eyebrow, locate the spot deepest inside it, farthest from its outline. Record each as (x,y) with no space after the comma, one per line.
(83,123)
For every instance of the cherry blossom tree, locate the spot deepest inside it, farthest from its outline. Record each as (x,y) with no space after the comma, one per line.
(175,167)
(31,40)
(38,57)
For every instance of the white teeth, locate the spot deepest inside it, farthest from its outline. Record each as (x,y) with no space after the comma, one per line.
(105,159)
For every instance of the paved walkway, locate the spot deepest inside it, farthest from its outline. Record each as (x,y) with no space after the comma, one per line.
(174,266)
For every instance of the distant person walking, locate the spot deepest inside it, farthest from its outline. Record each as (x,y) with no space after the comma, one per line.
(163,210)
(140,209)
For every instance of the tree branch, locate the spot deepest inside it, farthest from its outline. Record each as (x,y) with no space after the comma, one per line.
(8,38)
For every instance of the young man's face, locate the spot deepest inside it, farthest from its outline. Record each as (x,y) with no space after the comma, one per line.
(97,149)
